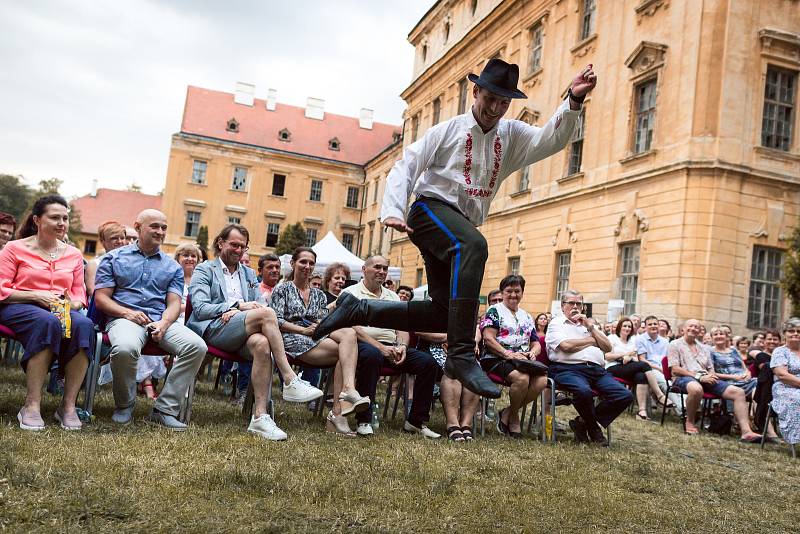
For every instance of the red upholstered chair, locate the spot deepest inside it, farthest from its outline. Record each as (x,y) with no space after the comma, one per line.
(706,401)
(632,387)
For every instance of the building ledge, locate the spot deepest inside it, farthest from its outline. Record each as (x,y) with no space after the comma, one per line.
(642,156)
(237,209)
(275,214)
(575,177)
(194,202)
(584,47)
(517,194)
(775,154)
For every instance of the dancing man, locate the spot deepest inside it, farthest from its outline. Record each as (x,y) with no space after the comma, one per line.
(455,171)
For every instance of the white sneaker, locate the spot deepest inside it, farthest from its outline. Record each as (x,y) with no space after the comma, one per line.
(265,427)
(299,390)
(424,430)
(364,429)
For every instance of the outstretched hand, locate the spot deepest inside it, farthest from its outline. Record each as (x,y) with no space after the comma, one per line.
(397,224)
(584,81)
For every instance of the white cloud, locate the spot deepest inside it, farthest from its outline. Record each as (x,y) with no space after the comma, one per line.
(94,91)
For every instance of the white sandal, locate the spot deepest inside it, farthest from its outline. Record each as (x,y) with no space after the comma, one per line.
(337,424)
(353,402)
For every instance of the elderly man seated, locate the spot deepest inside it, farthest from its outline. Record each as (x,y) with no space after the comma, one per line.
(576,347)
(693,373)
(225,312)
(383,346)
(139,288)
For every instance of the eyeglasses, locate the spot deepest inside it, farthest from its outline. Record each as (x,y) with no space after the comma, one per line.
(495,301)
(573,303)
(792,331)
(238,246)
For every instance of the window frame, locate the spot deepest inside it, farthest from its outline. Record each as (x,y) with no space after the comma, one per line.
(561,281)
(350,201)
(311,192)
(765,283)
(576,146)
(638,114)
(276,234)
(87,249)
(243,188)
(192,231)
(232,219)
(283,185)
(534,62)
(348,237)
(588,19)
(311,237)
(195,172)
(782,144)
(436,112)
(514,265)
(463,96)
(632,288)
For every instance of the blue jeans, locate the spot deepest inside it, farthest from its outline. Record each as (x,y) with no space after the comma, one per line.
(580,379)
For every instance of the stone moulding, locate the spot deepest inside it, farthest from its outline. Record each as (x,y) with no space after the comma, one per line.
(780,44)
(648,8)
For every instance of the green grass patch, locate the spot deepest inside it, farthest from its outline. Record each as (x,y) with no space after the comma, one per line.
(218,478)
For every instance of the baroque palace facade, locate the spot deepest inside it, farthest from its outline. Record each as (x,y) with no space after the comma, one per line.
(266,165)
(679,191)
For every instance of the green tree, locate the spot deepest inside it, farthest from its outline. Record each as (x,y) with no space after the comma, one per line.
(293,236)
(75,224)
(134,187)
(791,272)
(202,239)
(15,195)
(49,187)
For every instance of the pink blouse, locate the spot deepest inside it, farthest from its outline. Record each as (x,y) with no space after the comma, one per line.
(24,270)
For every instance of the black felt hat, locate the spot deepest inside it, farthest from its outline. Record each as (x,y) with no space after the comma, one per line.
(500,78)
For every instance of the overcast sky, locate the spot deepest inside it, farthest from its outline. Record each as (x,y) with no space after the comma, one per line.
(93,90)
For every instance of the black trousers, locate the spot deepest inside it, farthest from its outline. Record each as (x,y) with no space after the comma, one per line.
(454,252)
(417,362)
(631,371)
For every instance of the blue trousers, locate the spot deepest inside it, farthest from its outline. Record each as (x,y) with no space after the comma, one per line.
(417,362)
(580,379)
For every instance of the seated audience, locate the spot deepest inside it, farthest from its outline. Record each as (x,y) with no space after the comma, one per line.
(245,259)
(336,275)
(728,364)
(651,347)
(507,332)
(112,236)
(316,281)
(225,312)
(785,365)
(664,329)
(378,347)
(693,373)
(139,289)
(389,284)
(299,308)
(8,225)
(269,267)
(623,362)
(405,293)
(188,256)
(576,347)
(763,395)
(38,272)
(741,344)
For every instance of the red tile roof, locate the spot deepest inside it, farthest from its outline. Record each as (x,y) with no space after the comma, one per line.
(113,205)
(207,113)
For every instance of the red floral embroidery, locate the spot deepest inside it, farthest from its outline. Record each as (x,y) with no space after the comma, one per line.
(468,160)
(498,153)
(478,192)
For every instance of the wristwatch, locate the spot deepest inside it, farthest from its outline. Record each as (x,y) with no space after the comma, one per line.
(235,305)
(698,376)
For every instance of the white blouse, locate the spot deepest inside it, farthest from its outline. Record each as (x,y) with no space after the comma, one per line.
(459,164)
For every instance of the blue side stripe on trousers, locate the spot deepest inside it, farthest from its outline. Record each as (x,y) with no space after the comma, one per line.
(440,224)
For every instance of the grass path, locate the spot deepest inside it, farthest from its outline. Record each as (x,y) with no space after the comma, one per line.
(217,478)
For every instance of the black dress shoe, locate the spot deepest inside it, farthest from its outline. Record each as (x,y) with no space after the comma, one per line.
(579,428)
(469,373)
(596,436)
(349,311)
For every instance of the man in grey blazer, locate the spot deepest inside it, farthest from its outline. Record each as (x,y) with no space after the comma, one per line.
(225,313)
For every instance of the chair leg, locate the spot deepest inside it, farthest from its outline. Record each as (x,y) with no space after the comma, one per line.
(484,407)
(532,419)
(219,373)
(766,425)
(324,399)
(249,399)
(388,399)
(402,384)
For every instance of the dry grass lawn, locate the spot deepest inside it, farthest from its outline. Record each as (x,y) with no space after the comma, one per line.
(217,478)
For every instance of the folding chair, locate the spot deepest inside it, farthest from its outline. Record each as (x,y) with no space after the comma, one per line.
(100,356)
(632,387)
(402,388)
(12,347)
(771,414)
(500,381)
(247,406)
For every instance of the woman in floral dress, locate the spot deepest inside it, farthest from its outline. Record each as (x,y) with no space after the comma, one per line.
(785,364)
(299,307)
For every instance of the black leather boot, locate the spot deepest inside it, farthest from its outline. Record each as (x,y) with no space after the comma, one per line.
(406,316)
(461,363)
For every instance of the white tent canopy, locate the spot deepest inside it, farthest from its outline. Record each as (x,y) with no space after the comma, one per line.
(330,250)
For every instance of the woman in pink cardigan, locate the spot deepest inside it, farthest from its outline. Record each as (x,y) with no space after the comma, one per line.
(35,271)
